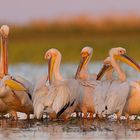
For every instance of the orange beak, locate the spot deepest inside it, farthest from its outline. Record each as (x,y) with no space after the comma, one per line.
(84,59)
(123,58)
(4,55)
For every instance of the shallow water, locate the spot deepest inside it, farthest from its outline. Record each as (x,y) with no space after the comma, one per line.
(78,129)
(34,72)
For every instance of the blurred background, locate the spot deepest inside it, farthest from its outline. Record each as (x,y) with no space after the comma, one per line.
(37,25)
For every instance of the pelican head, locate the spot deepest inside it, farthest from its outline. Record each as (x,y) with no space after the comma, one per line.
(4,31)
(118,53)
(86,55)
(54,57)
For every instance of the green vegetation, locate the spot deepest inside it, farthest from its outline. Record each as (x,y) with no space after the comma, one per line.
(28,44)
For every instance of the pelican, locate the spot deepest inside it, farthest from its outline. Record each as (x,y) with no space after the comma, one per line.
(132,106)
(107,94)
(3,71)
(117,98)
(15,91)
(61,94)
(88,82)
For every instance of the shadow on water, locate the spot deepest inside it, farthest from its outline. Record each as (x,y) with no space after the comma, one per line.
(72,129)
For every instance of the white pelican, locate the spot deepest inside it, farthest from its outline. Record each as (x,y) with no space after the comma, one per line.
(107,96)
(132,106)
(88,82)
(15,91)
(116,97)
(3,71)
(61,94)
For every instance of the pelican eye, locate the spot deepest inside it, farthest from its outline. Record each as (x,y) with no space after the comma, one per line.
(85,54)
(121,51)
(48,55)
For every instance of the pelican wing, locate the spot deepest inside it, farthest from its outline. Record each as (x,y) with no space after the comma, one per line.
(43,98)
(74,89)
(62,99)
(15,100)
(100,93)
(117,96)
(67,94)
(110,96)
(28,85)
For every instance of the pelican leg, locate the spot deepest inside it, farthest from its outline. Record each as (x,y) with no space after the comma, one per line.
(77,114)
(66,117)
(80,114)
(52,115)
(126,115)
(28,116)
(85,115)
(99,116)
(119,113)
(13,115)
(84,111)
(91,116)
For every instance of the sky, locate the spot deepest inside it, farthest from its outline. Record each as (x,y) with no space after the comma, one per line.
(24,11)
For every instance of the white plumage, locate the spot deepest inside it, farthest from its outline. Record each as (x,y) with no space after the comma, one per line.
(15,91)
(111,95)
(59,98)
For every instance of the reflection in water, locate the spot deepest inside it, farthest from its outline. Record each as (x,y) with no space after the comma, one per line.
(73,129)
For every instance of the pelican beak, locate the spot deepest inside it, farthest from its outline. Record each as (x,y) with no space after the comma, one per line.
(4,55)
(83,62)
(15,85)
(123,58)
(50,68)
(126,59)
(103,70)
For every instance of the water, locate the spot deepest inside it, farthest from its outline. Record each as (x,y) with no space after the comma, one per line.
(78,129)
(34,72)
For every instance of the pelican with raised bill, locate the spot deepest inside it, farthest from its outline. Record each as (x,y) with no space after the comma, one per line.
(61,94)
(15,91)
(3,71)
(88,82)
(132,106)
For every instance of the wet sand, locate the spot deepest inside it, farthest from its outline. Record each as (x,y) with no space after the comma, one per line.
(76,129)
